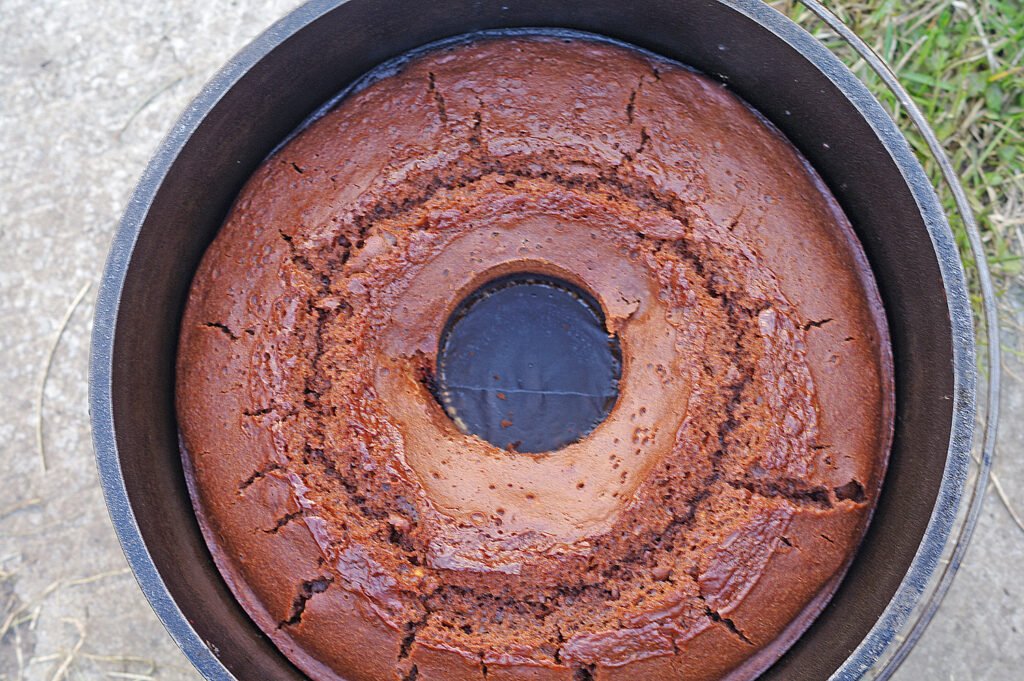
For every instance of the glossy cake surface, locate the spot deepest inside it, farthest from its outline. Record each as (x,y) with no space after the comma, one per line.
(694,533)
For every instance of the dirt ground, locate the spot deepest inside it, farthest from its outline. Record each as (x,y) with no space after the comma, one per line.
(86,92)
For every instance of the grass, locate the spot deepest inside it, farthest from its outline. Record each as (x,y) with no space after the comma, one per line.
(963,63)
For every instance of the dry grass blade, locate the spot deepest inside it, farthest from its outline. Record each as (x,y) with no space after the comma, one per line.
(65,664)
(1006,501)
(15,615)
(18,654)
(45,374)
(20,506)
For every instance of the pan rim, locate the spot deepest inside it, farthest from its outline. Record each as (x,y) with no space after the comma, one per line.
(950,493)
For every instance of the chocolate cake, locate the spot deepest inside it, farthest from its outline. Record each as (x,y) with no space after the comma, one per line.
(693,531)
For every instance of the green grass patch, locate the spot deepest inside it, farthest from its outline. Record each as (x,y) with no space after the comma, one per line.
(963,63)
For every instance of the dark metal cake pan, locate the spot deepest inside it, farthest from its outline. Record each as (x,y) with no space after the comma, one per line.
(274,84)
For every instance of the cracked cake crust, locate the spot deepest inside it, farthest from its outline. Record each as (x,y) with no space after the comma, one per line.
(695,533)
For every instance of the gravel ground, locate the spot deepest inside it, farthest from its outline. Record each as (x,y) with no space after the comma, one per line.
(86,92)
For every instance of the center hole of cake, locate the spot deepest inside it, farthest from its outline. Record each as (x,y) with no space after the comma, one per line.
(526,363)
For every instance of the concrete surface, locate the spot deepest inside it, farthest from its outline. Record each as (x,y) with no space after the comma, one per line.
(86,92)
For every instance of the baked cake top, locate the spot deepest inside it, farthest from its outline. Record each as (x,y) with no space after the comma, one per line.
(696,530)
